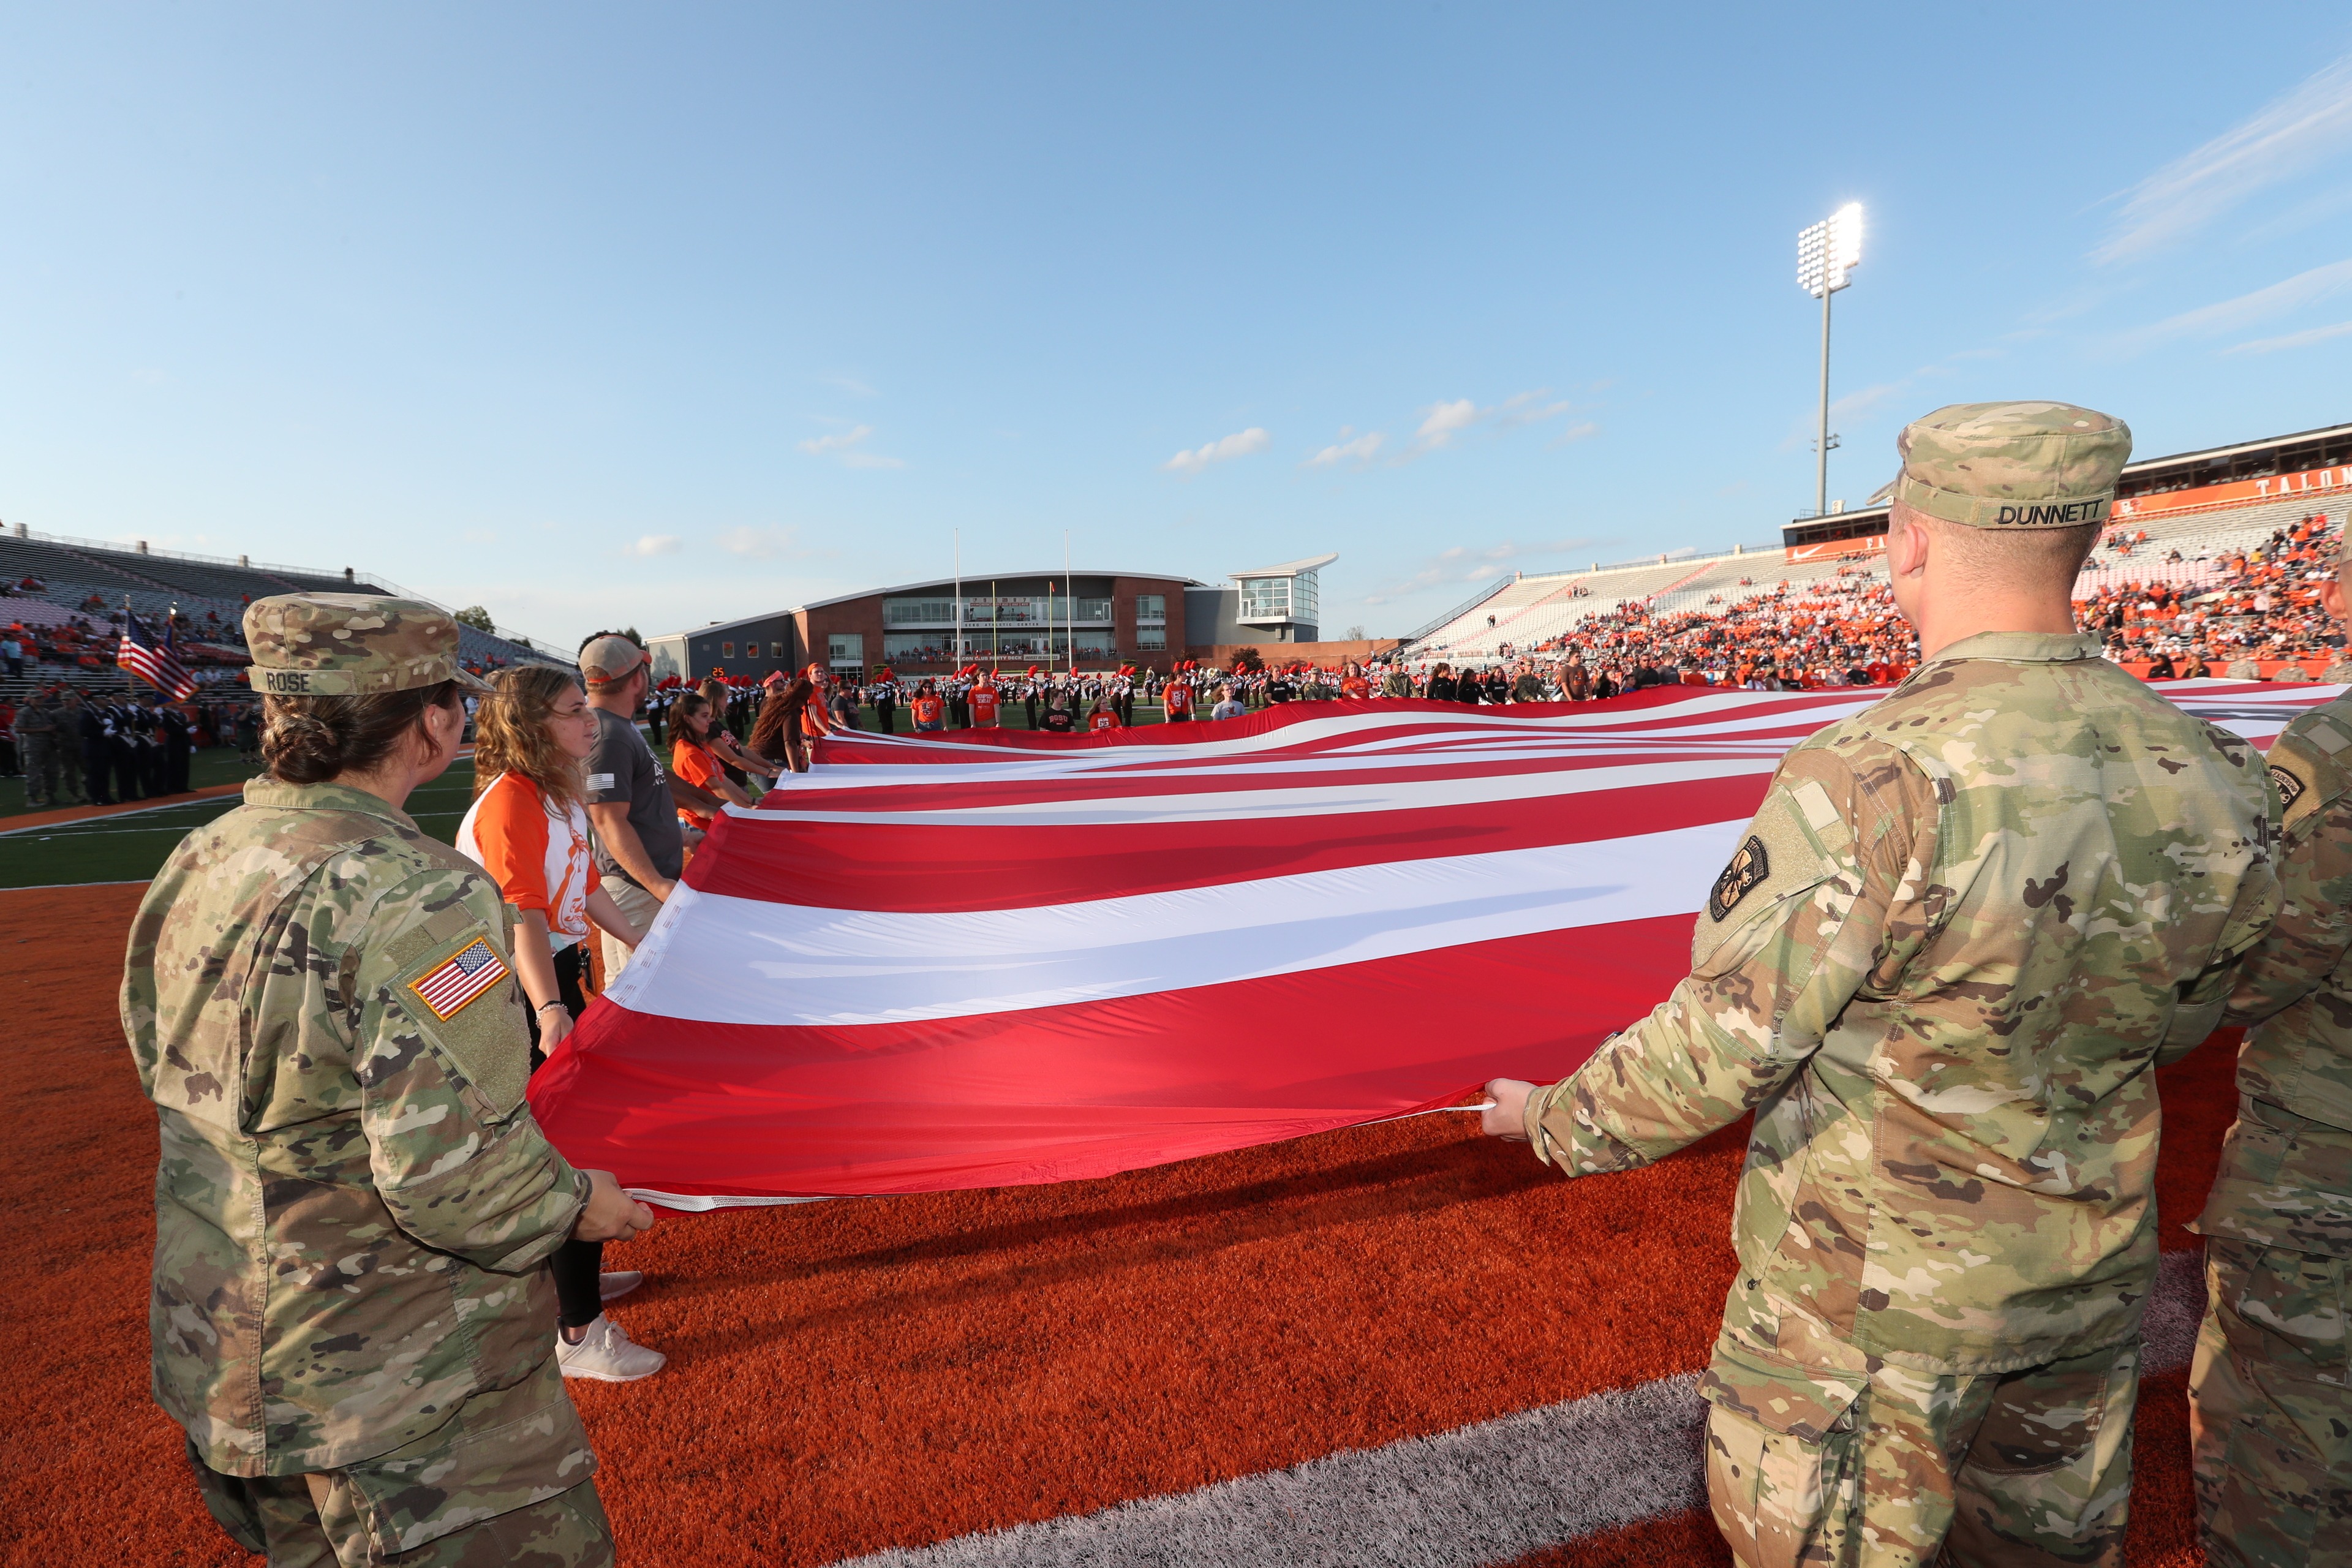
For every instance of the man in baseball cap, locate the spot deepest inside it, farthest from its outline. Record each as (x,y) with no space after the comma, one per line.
(351,644)
(632,800)
(608,658)
(1938,968)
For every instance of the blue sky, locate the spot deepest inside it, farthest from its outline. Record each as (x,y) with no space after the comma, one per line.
(604,315)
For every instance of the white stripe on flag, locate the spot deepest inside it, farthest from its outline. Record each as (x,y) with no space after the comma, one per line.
(721,960)
(1314,800)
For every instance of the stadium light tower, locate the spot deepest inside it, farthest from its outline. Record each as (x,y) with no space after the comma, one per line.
(1825,254)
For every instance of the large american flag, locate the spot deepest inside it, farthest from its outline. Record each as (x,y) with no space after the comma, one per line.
(156,663)
(986,958)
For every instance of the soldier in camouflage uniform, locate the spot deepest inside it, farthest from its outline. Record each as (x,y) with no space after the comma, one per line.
(36,737)
(2270,1391)
(1953,945)
(350,1315)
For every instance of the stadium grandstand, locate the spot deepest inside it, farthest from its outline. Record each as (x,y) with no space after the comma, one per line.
(2179,521)
(67,595)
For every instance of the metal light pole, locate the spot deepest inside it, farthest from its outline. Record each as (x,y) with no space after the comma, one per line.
(1825,254)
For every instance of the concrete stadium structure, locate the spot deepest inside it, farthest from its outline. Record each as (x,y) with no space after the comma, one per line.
(2201,503)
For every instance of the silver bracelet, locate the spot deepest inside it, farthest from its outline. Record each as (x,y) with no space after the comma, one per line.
(543,1007)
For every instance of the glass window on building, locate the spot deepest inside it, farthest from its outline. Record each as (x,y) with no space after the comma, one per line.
(1151,607)
(1094,610)
(1150,638)
(917,648)
(917,612)
(1303,597)
(726,650)
(1265,598)
(845,647)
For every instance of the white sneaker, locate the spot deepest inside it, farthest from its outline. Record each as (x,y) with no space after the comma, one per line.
(614,1285)
(607,1354)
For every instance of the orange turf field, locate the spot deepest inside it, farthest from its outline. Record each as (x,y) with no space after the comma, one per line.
(855,1375)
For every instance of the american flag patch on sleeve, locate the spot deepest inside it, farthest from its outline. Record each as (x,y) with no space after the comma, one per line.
(447,989)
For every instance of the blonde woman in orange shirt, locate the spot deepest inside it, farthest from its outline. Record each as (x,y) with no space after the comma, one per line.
(529,829)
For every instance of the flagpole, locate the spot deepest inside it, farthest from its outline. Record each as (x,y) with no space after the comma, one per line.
(959,599)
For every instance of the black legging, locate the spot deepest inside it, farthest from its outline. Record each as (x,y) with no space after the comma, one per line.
(579,1300)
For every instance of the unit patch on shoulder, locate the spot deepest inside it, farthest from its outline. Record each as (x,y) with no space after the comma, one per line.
(2290,787)
(1748,867)
(447,989)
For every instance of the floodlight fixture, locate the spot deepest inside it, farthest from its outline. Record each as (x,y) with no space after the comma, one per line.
(1825,253)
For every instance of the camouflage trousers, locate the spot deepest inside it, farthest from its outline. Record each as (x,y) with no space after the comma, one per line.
(321,1521)
(2271,1407)
(40,759)
(1888,1467)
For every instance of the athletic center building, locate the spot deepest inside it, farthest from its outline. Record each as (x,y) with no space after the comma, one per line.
(1096,619)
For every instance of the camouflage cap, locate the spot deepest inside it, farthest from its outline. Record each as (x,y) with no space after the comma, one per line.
(2011,465)
(351,644)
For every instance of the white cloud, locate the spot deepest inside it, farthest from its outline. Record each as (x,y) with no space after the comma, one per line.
(847,447)
(655,544)
(2291,341)
(1240,444)
(1350,448)
(767,544)
(1447,420)
(1573,434)
(2307,126)
(1442,423)
(2246,310)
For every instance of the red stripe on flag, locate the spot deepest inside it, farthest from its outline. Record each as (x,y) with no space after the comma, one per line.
(912,867)
(1089,1089)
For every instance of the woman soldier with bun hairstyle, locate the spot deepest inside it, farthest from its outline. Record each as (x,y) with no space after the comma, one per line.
(353,1204)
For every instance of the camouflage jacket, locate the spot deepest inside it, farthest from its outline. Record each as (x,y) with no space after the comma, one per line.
(2286,1169)
(352,1200)
(1959,933)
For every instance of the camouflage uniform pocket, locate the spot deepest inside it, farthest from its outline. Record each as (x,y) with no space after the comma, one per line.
(455,985)
(1780,857)
(2282,1310)
(503,1450)
(1783,1456)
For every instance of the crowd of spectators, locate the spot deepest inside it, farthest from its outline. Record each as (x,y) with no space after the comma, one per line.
(2249,612)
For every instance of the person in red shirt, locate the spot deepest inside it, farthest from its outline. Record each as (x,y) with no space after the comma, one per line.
(984,700)
(1177,700)
(1104,717)
(817,719)
(930,713)
(690,759)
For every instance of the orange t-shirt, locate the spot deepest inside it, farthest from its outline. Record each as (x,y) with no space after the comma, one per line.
(927,711)
(1098,722)
(817,718)
(1179,698)
(698,767)
(1356,685)
(984,707)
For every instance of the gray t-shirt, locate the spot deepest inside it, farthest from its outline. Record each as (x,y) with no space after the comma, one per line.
(620,767)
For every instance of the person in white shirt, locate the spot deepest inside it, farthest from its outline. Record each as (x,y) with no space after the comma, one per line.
(1227,707)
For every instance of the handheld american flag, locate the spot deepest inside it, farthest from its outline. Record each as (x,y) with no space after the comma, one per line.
(153,662)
